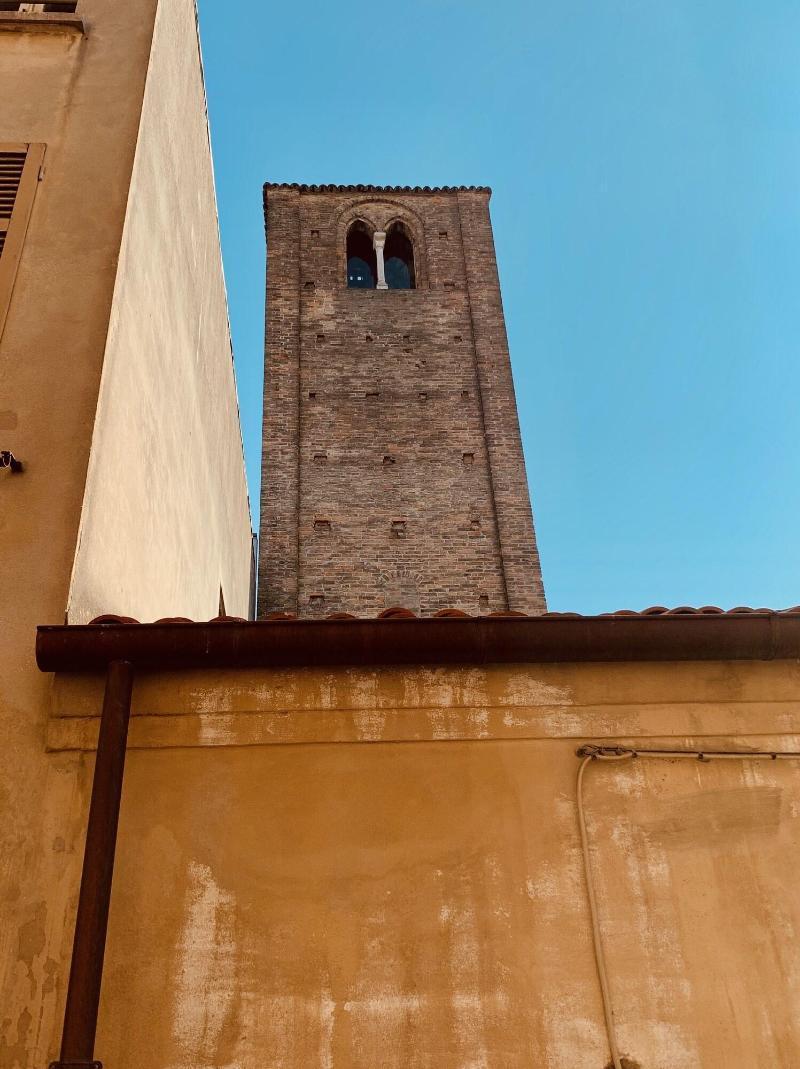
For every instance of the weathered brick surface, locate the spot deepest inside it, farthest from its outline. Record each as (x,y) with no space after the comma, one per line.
(278,564)
(392,465)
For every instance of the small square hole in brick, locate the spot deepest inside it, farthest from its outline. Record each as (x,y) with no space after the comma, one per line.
(475,523)
(323,526)
(321,458)
(406,337)
(317,599)
(320,339)
(442,233)
(465,395)
(309,285)
(388,460)
(312,395)
(483,601)
(457,337)
(449,285)
(423,397)
(468,458)
(368,337)
(399,528)
(372,393)
(315,233)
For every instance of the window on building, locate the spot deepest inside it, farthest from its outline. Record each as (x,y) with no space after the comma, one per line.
(12,165)
(398,256)
(60,7)
(362,268)
(19,176)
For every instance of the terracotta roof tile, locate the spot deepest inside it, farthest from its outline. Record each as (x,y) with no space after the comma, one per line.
(398,612)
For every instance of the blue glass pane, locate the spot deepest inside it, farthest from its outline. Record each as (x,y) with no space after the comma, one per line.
(398,276)
(359,274)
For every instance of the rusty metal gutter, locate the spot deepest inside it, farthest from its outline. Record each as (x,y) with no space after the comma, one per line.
(445,640)
(91,924)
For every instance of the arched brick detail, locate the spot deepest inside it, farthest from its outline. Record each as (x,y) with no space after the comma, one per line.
(380,213)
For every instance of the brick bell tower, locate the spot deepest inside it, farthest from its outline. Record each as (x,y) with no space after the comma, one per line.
(392,465)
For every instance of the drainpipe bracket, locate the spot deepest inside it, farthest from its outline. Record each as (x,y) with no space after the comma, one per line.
(75,1065)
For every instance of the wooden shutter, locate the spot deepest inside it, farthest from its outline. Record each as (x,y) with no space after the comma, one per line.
(20,166)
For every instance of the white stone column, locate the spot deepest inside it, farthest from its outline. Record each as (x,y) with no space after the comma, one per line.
(378,241)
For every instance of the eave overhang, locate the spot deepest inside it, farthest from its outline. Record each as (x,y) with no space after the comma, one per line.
(421,641)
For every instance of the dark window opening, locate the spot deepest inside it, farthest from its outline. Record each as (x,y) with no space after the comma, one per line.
(56,7)
(362,267)
(12,164)
(398,256)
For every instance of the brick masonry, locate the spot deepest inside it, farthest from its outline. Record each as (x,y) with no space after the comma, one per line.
(392,469)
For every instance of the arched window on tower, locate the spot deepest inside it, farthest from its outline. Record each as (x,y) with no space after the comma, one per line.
(399,258)
(362,268)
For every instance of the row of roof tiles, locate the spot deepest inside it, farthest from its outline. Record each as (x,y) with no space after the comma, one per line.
(400,613)
(303,188)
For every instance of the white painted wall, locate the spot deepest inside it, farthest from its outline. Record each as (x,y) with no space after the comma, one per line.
(165,519)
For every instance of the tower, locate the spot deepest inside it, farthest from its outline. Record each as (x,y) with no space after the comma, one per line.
(392,466)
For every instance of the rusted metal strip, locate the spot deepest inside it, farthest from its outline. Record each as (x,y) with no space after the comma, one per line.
(444,640)
(86,970)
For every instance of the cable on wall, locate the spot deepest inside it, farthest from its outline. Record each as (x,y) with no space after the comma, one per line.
(592,752)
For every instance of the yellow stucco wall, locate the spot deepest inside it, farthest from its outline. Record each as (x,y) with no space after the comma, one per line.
(361,867)
(165,520)
(82,97)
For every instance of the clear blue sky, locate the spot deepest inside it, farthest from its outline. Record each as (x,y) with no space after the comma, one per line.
(645,162)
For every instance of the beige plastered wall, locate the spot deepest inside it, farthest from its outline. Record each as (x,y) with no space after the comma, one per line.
(166,521)
(81,95)
(359,867)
